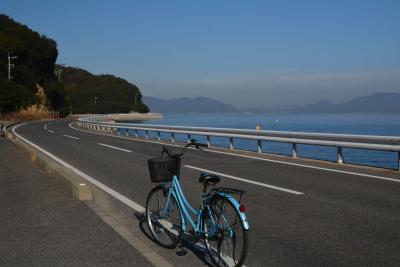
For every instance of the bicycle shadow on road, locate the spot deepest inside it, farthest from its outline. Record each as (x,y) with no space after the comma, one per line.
(184,246)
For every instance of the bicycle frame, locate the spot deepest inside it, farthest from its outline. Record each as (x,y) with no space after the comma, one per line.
(175,191)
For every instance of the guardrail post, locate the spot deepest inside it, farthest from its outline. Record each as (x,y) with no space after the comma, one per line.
(259,146)
(230,142)
(158,136)
(294,150)
(188,138)
(340,155)
(208,140)
(147,134)
(172,137)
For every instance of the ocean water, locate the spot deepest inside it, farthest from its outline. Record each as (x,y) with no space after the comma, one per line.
(369,124)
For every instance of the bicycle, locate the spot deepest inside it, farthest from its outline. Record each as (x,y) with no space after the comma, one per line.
(220,221)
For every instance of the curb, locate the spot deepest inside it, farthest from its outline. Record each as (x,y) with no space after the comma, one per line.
(113,212)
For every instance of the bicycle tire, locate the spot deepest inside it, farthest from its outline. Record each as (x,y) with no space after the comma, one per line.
(165,225)
(227,231)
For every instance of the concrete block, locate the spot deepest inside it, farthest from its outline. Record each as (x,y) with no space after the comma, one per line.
(82,191)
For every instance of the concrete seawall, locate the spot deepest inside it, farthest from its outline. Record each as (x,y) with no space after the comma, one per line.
(119,117)
(135,116)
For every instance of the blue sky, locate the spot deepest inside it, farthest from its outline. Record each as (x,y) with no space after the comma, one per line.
(246,53)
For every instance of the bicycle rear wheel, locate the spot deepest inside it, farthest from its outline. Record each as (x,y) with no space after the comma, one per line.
(226,239)
(164,217)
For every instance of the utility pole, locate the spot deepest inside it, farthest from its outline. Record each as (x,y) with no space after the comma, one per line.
(59,71)
(10,65)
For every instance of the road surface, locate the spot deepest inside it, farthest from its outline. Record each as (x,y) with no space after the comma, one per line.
(299,216)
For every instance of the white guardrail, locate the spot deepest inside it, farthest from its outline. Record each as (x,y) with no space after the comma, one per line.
(340,141)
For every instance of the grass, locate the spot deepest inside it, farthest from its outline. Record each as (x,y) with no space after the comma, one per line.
(29,114)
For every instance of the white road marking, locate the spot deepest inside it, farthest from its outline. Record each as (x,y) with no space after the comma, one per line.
(50,131)
(309,166)
(72,137)
(114,147)
(256,158)
(245,180)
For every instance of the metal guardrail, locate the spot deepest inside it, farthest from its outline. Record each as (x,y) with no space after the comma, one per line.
(340,141)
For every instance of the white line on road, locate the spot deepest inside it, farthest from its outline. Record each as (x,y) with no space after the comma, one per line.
(114,147)
(72,137)
(245,180)
(307,166)
(50,131)
(253,157)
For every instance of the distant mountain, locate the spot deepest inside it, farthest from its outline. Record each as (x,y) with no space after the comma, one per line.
(185,104)
(375,103)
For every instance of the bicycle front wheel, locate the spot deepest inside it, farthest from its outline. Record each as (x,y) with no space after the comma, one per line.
(225,236)
(164,217)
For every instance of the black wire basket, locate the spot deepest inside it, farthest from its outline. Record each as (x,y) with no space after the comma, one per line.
(163,169)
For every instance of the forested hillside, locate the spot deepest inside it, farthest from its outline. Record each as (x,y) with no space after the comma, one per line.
(36,55)
(88,93)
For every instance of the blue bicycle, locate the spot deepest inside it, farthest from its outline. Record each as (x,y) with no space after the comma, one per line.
(221,220)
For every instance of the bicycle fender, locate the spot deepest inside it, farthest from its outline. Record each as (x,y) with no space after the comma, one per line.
(236,204)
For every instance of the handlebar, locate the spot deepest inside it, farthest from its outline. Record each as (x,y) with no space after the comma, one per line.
(193,143)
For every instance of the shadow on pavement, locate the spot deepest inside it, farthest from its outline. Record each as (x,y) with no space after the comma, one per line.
(188,243)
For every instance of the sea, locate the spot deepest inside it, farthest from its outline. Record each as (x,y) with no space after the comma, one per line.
(366,124)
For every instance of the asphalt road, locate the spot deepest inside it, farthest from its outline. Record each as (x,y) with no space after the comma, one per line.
(339,219)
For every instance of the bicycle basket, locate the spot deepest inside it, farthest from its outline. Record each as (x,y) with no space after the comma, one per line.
(163,169)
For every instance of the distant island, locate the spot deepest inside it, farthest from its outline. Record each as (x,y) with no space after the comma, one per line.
(383,102)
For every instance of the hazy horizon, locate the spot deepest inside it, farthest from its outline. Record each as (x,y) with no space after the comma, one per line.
(247,54)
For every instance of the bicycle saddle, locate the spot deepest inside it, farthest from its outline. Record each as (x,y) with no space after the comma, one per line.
(210,179)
